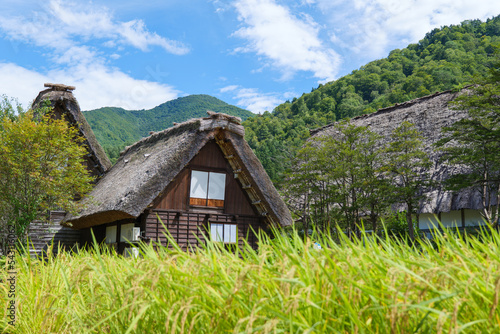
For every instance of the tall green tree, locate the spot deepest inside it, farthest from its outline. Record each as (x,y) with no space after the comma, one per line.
(358,189)
(474,143)
(407,168)
(338,178)
(41,167)
(304,185)
(374,188)
(339,163)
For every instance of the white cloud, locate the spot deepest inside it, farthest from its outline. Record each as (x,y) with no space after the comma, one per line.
(253,100)
(373,27)
(20,83)
(284,40)
(228,88)
(77,55)
(82,20)
(77,36)
(64,25)
(37,31)
(135,33)
(96,86)
(257,102)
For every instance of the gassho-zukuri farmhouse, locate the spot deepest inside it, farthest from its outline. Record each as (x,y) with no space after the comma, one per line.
(429,114)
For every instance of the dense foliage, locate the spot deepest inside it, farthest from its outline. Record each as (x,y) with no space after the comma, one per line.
(42,166)
(445,58)
(407,166)
(356,175)
(353,286)
(116,127)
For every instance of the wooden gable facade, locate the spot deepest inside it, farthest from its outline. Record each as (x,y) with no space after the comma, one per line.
(191,222)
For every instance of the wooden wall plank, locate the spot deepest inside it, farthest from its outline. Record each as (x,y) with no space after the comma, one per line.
(42,234)
(209,158)
(189,229)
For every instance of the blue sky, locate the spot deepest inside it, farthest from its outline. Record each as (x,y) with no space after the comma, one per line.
(254,54)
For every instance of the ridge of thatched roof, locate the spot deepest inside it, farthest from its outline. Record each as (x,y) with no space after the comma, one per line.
(147,167)
(429,114)
(397,106)
(63,101)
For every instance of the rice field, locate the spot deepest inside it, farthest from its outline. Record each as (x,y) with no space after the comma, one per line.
(288,286)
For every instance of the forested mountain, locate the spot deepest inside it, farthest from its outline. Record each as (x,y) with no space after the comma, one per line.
(445,58)
(116,127)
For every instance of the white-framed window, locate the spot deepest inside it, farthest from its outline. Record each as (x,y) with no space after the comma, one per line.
(226,233)
(207,188)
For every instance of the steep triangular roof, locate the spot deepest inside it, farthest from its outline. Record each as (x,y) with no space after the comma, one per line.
(429,114)
(147,167)
(60,97)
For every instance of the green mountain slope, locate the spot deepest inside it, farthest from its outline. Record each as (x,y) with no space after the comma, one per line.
(444,59)
(116,128)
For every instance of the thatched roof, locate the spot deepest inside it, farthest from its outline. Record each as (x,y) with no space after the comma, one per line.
(65,105)
(429,114)
(147,167)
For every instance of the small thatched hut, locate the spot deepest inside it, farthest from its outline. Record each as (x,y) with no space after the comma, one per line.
(198,179)
(429,114)
(61,99)
(64,104)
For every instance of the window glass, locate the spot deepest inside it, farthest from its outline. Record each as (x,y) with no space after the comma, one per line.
(217,232)
(226,233)
(230,233)
(207,189)
(199,184)
(126,232)
(110,234)
(217,185)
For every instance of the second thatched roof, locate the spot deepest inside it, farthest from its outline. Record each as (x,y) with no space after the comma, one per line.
(61,99)
(429,114)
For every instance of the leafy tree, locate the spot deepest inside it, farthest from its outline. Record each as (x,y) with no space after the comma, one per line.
(474,143)
(42,167)
(407,167)
(338,178)
(341,166)
(9,109)
(374,188)
(303,185)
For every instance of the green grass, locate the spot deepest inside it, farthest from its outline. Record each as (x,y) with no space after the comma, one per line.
(358,286)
